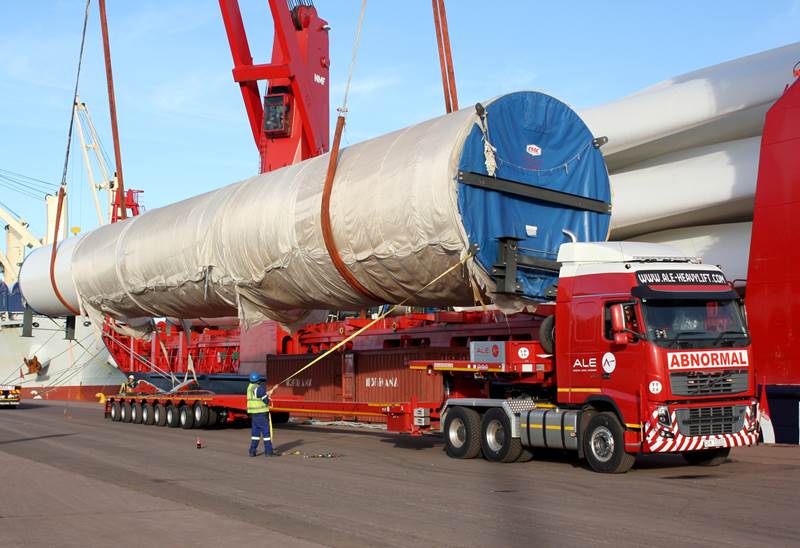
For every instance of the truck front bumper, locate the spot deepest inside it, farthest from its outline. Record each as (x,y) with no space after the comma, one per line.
(698,427)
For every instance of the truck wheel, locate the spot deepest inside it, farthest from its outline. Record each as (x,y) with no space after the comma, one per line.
(115,411)
(160,415)
(186,417)
(136,413)
(125,412)
(547,334)
(462,431)
(200,412)
(280,417)
(525,455)
(709,457)
(496,441)
(604,445)
(147,414)
(172,416)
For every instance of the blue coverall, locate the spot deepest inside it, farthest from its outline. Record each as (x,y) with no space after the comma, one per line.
(261,425)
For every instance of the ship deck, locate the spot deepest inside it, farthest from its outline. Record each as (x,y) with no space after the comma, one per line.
(71,478)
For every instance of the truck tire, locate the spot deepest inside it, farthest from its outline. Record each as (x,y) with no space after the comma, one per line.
(125,412)
(526,455)
(200,412)
(604,445)
(547,334)
(159,415)
(115,411)
(147,414)
(213,417)
(462,433)
(173,421)
(186,417)
(497,444)
(280,417)
(136,413)
(708,457)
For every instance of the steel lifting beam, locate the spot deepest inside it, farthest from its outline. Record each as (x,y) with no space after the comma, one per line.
(536,193)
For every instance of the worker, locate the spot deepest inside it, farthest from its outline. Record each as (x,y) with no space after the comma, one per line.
(258,409)
(128,386)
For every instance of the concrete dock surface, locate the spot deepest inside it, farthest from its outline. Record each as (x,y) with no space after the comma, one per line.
(69,477)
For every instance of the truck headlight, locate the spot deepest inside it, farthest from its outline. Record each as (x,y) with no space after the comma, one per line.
(663,416)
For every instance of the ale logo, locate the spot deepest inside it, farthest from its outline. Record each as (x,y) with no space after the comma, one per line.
(609,362)
(495,350)
(533,150)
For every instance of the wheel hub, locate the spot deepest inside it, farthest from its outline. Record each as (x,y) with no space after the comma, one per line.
(602,444)
(495,435)
(457,433)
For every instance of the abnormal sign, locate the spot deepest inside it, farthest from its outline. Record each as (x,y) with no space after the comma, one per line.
(707,358)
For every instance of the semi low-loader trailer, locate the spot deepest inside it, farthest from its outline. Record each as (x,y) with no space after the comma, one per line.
(642,351)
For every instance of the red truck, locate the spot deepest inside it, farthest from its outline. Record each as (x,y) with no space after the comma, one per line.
(643,351)
(647,352)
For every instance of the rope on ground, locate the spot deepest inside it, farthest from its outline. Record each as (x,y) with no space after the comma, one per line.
(334,348)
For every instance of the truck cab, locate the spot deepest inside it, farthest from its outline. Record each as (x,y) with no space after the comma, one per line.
(644,351)
(658,340)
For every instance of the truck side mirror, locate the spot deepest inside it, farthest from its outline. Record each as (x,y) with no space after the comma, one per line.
(618,324)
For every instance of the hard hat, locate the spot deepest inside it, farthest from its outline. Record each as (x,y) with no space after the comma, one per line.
(130,377)
(255,377)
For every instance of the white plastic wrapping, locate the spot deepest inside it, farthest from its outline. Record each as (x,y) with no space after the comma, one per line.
(710,184)
(257,246)
(718,103)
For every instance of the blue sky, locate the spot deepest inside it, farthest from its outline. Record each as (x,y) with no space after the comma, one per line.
(182,122)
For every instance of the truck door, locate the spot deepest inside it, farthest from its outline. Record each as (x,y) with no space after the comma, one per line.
(622,366)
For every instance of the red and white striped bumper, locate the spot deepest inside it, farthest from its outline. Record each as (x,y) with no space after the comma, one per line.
(659,438)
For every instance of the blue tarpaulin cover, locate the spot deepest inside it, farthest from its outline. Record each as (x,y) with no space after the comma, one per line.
(538,141)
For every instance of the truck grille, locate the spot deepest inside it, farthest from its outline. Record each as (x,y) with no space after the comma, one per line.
(710,421)
(700,383)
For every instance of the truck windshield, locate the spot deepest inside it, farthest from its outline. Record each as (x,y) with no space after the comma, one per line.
(678,323)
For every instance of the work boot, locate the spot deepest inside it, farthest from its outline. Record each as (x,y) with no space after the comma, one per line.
(252,453)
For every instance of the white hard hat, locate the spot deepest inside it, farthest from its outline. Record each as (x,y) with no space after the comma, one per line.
(130,377)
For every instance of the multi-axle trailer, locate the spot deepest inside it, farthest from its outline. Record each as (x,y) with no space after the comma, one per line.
(644,351)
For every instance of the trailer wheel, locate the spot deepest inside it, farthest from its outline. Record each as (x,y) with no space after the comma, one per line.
(604,445)
(213,417)
(497,444)
(280,417)
(115,411)
(125,412)
(136,413)
(710,457)
(147,414)
(547,334)
(186,417)
(160,415)
(462,431)
(172,416)
(200,413)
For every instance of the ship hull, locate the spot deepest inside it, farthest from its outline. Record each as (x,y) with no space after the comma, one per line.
(76,369)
